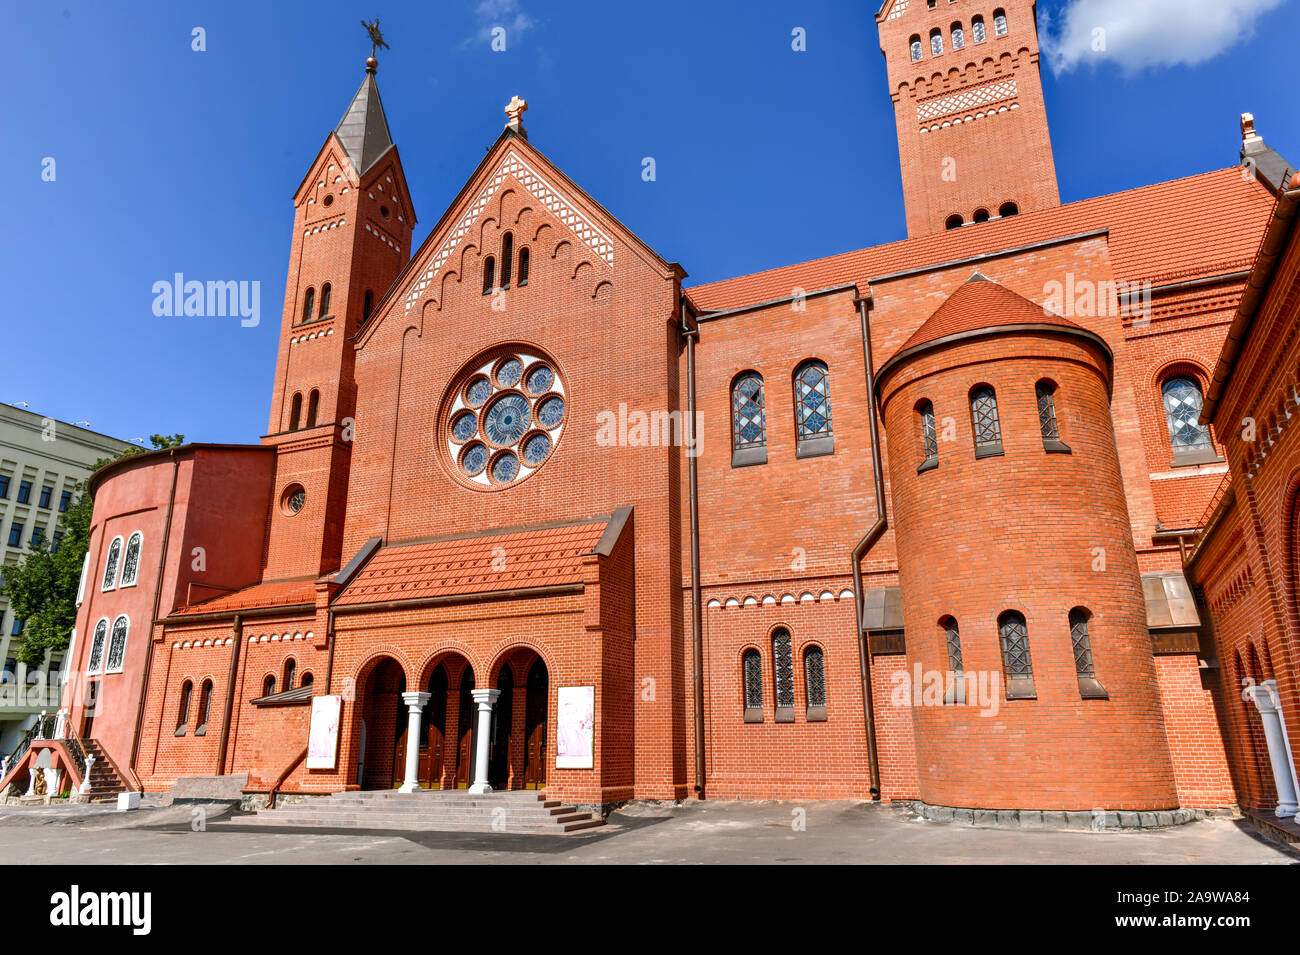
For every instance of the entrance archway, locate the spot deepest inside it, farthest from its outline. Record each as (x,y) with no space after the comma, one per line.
(502,727)
(465,731)
(383,728)
(433,743)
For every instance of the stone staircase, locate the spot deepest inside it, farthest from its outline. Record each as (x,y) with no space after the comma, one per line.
(444,810)
(105,781)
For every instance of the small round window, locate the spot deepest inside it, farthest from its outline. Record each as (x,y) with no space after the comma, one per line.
(502,418)
(328,200)
(294,499)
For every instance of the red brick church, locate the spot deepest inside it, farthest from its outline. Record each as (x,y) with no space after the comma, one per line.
(913,522)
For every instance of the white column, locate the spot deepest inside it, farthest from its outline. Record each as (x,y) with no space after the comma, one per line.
(1265,698)
(486,699)
(90,764)
(414,708)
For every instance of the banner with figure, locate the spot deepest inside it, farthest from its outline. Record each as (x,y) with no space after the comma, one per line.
(323,743)
(576,730)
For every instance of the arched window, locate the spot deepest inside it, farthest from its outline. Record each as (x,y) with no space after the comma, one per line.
(489,275)
(525,260)
(507,258)
(981,215)
(936,42)
(999,23)
(977,29)
(131,562)
(117,645)
(984,421)
(110,565)
(751,666)
(814,681)
(929,437)
(324,300)
(954,221)
(812,410)
(95,662)
(268,684)
(917,50)
(308,303)
(783,674)
(958,36)
(183,710)
(1016,666)
(307,679)
(205,707)
(1089,688)
(295,412)
(748,420)
(954,690)
(313,406)
(1189,438)
(290,665)
(1045,393)
(1008,209)
(367,305)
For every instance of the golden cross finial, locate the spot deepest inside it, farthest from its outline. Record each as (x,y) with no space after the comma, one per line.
(515,109)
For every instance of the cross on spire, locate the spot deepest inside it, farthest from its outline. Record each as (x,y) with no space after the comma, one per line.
(515,110)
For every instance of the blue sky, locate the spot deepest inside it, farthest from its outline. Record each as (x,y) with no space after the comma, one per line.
(169,160)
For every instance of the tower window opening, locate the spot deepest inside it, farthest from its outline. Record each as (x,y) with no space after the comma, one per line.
(295,412)
(999,23)
(977,29)
(914,45)
(308,303)
(1008,209)
(489,275)
(958,36)
(313,406)
(954,221)
(367,305)
(507,258)
(981,215)
(936,42)
(525,260)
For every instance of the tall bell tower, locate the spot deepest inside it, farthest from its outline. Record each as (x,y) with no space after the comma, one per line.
(352,225)
(973,141)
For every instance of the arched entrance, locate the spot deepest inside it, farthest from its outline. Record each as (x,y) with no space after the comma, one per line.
(382,732)
(536,697)
(502,726)
(434,738)
(465,731)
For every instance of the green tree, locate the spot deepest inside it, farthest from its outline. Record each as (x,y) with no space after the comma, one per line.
(42,590)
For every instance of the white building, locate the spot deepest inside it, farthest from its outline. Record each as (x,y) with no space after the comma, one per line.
(42,462)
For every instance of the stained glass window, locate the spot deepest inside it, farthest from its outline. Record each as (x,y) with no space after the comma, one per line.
(748,425)
(953,637)
(1079,641)
(539,380)
(783,667)
(999,23)
(464,426)
(509,372)
(958,37)
(131,562)
(551,412)
(110,566)
(753,667)
(977,29)
(97,647)
(117,646)
(1015,645)
(505,468)
(1183,402)
(936,43)
(812,400)
(297,500)
(506,420)
(917,49)
(478,392)
(984,418)
(536,449)
(814,672)
(1046,392)
(475,459)
(929,437)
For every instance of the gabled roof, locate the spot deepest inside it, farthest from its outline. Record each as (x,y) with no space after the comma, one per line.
(363,130)
(979,303)
(274,593)
(1202,225)
(541,556)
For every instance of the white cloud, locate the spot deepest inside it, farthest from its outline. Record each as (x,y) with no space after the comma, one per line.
(491,14)
(1147,34)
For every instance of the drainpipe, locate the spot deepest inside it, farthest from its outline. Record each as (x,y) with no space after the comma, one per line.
(230,694)
(329,638)
(157,600)
(697,613)
(868,541)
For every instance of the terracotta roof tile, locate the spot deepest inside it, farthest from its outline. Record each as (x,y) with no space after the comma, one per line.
(1200,225)
(474,565)
(275,593)
(981,303)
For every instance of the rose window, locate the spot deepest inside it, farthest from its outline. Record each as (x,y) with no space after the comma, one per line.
(503,418)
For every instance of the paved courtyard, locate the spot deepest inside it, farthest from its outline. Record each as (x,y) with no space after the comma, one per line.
(714,832)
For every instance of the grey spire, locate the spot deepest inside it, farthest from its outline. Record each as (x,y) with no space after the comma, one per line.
(363,130)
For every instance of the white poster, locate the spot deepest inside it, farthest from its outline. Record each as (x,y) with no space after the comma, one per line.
(576,730)
(323,743)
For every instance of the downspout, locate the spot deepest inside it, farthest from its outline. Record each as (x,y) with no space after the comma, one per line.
(868,541)
(157,600)
(230,695)
(329,637)
(697,614)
